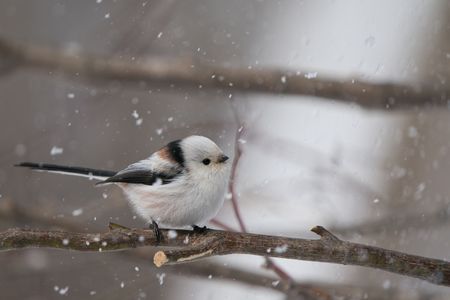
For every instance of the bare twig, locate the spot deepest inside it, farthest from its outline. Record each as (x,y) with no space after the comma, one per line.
(233,178)
(269,263)
(190,246)
(186,72)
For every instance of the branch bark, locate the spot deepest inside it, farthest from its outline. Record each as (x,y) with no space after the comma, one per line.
(188,246)
(190,73)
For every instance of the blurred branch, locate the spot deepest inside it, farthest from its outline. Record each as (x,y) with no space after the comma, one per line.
(234,168)
(10,210)
(305,290)
(408,221)
(301,291)
(190,246)
(186,72)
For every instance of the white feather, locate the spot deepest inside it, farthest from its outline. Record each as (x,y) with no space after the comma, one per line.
(89,176)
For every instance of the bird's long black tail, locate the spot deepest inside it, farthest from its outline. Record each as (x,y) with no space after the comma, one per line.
(69,170)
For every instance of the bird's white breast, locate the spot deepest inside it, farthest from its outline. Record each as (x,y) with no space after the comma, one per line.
(185,201)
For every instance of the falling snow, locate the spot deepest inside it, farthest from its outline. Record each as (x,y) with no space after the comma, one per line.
(412,132)
(172,234)
(281,249)
(77,212)
(56,151)
(136,116)
(161,278)
(61,291)
(311,75)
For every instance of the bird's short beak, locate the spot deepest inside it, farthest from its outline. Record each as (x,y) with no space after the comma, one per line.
(222,158)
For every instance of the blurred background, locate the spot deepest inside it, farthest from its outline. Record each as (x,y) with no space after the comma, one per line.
(370,176)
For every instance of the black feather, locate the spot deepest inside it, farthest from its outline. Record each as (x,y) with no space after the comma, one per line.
(176,152)
(67,169)
(140,176)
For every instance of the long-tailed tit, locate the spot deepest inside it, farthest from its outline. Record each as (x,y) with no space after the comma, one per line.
(182,184)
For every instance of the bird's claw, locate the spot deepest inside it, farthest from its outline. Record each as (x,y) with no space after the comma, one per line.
(198,229)
(156,231)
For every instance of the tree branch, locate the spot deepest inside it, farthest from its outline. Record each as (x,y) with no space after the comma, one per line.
(186,72)
(304,290)
(189,246)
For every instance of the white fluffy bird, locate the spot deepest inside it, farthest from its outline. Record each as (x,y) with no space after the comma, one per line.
(182,184)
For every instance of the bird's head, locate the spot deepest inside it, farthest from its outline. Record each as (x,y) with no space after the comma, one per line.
(200,156)
(203,155)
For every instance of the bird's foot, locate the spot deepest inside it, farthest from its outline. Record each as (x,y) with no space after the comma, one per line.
(156,231)
(198,229)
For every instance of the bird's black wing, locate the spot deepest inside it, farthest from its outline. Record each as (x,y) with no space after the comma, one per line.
(141,176)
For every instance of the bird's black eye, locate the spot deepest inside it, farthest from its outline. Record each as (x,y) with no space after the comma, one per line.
(206,161)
